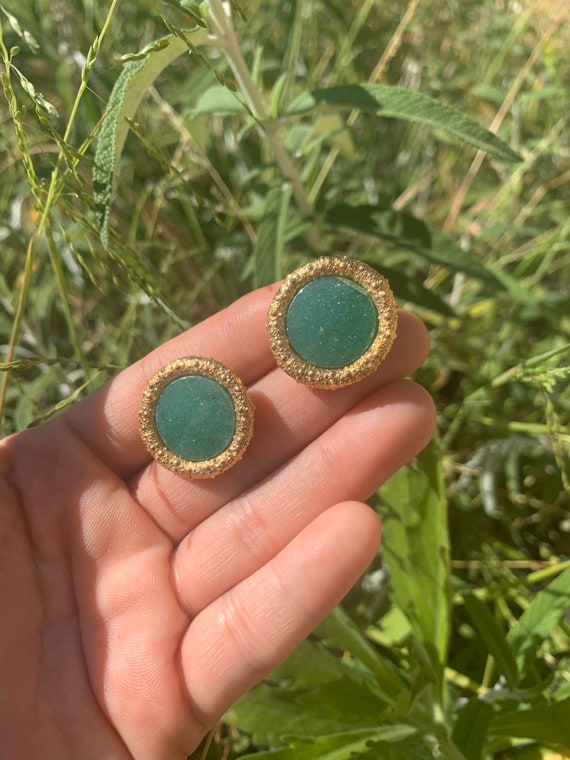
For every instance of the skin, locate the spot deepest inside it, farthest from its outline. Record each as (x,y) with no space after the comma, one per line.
(138,605)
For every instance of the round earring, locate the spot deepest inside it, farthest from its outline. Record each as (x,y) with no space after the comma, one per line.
(196,417)
(332,322)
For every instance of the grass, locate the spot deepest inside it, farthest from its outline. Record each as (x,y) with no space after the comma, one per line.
(477,246)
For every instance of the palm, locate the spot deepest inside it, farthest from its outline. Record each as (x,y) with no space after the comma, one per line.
(137,604)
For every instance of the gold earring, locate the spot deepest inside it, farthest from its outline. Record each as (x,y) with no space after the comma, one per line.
(196,417)
(332,322)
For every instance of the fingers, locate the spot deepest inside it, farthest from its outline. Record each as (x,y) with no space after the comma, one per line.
(108,420)
(288,417)
(349,461)
(242,636)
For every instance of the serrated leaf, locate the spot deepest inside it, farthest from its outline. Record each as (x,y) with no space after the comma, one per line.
(416,550)
(339,630)
(130,88)
(270,713)
(399,103)
(347,700)
(548,724)
(344,746)
(310,664)
(271,235)
(493,636)
(539,620)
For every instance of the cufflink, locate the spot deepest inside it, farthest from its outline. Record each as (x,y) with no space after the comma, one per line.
(196,417)
(332,322)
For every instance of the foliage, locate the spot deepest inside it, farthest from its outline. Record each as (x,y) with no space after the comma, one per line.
(159,158)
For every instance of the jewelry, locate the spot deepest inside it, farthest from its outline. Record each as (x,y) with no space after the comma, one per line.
(196,417)
(332,322)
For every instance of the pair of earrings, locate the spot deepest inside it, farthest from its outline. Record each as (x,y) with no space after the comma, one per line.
(331,324)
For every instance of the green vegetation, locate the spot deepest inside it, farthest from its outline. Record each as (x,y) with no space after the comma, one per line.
(143,188)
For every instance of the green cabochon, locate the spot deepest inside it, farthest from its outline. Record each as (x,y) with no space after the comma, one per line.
(195,417)
(331,322)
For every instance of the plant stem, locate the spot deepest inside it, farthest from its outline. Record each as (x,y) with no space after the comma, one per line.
(228,43)
(91,58)
(18,320)
(47,205)
(377,74)
(67,310)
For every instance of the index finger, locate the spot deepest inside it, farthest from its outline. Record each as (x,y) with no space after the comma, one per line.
(107,421)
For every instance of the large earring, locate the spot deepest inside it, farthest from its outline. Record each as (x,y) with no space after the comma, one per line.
(196,417)
(332,322)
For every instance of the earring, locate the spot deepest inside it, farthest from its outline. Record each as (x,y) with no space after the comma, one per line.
(332,322)
(196,417)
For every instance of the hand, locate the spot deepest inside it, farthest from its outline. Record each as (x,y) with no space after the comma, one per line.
(137,605)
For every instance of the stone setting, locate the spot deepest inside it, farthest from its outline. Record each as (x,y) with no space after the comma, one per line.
(196,417)
(332,322)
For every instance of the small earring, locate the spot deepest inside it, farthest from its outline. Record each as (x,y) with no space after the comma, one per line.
(196,417)
(332,322)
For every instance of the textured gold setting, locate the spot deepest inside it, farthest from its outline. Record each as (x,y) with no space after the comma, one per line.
(379,291)
(244,409)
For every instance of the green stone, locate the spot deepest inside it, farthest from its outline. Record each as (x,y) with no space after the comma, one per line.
(195,417)
(331,322)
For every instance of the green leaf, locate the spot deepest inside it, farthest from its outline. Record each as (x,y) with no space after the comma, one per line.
(416,550)
(411,289)
(271,235)
(548,724)
(493,636)
(343,746)
(403,229)
(311,664)
(347,700)
(314,692)
(471,727)
(130,88)
(539,620)
(194,10)
(340,631)
(221,101)
(399,103)
(269,713)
